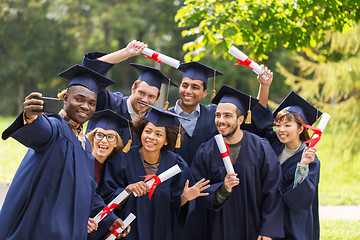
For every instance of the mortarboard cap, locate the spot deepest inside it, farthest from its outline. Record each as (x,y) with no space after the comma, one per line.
(198,71)
(152,76)
(90,60)
(160,117)
(294,103)
(109,120)
(242,100)
(164,118)
(80,75)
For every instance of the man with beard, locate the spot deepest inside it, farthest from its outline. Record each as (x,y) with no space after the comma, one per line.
(245,205)
(53,191)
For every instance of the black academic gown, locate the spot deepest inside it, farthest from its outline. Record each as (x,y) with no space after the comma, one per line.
(52,194)
(254,207)
(301,204)
(155,217)
(204,130)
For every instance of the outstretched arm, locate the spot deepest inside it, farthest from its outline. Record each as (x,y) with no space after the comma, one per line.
(264,87)
(134,48)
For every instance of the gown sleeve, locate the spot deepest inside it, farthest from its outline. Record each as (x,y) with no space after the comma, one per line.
(177,188)
(199,169)
(272,209)
(263,120)
(38,135)
(105,224)
(113,184)
(301,197)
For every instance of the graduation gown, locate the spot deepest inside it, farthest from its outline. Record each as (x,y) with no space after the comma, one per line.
(53,191)
(204,130)
(155,217)
(301,204)
(254,207)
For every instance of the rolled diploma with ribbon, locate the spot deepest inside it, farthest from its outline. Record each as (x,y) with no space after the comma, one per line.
(131,217)
(164,176)
(241,56)
(221,145)
(322,124)
(121,197)
(163,58)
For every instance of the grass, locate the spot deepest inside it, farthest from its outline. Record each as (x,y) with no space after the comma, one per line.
(12,153)
(339,230)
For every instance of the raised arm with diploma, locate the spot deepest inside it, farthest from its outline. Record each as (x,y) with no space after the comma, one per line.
(245,60)
(224,153)
(161,58)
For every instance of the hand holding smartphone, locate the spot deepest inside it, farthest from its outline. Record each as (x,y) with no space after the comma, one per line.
(51,105)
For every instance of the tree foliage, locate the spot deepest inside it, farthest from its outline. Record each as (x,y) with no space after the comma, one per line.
(261,25)
(322,35)
(32,44)
(328,75)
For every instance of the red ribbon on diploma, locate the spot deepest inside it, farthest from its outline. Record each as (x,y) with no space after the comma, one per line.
(113,232)
(317,131)
(247,62)
(226,154)
(108,209)
(155,57)
(157,182)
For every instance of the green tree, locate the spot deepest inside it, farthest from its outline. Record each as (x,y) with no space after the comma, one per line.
(35,47)
(329,76)
(261,25)
(110,25)
(325,72)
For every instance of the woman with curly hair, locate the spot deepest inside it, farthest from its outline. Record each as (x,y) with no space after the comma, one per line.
(154,217)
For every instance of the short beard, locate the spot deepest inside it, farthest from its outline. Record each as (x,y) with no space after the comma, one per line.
(230,134)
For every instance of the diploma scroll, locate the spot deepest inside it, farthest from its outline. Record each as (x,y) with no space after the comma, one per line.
(113,204)
(131,217)
(322,124)
(163,58)
(164,176)
(246,60)
(224,153)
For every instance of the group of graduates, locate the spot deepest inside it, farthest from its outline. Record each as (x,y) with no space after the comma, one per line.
(67,176)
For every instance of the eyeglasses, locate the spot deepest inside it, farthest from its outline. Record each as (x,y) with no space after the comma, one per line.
(109,137)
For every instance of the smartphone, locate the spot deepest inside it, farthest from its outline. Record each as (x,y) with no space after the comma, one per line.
(51,105)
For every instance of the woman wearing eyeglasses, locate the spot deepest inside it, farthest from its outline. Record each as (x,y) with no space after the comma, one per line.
(105,139)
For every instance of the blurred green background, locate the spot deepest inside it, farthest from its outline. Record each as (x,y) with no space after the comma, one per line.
(311,46)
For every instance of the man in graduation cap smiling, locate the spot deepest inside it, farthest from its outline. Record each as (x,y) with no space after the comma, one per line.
(53,191)
(199,129)
(192,89)
(245,205)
